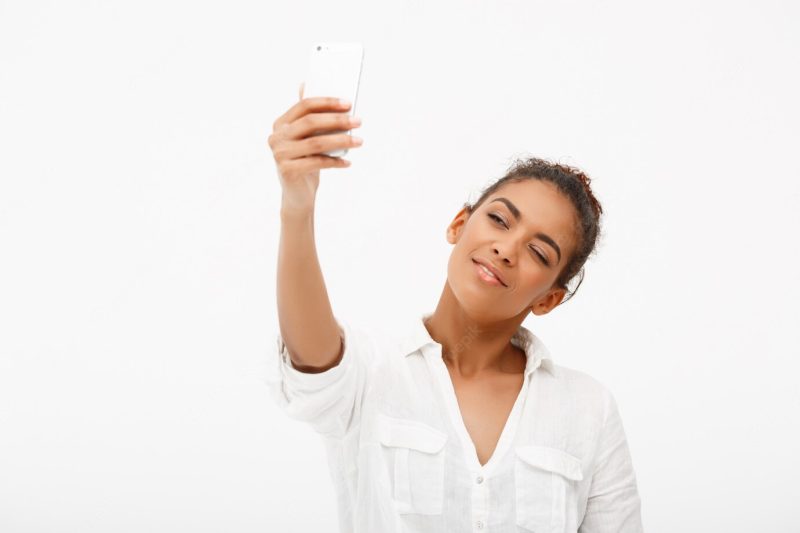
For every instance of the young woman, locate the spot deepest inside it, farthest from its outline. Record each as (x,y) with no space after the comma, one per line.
(462,421)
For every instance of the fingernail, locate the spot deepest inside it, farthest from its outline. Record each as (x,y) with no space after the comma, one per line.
(357,140)
(344,103)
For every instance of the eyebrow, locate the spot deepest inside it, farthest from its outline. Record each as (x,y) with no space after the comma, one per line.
(517,215)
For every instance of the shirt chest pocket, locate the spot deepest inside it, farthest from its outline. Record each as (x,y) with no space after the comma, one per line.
(415,456)
(545,487)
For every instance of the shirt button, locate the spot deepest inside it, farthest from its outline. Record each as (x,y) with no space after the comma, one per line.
(479,479)
(479,524)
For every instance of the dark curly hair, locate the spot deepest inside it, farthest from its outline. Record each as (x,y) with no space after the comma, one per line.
(574,184)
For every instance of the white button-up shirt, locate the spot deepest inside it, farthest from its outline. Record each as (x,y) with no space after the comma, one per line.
(401,458)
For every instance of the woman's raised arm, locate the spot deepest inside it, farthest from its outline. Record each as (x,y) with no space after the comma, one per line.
(307,323)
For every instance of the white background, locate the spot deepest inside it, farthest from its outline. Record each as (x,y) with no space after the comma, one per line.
(139,224)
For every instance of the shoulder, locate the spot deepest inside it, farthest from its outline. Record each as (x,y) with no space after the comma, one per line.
(564,382)
(586,392)
(574,378)
(367,333)
(379,346)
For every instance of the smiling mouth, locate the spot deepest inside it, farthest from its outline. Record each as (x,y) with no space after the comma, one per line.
(486,275)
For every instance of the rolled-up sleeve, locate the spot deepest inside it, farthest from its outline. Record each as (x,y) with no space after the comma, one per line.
(613,504)
(329,401)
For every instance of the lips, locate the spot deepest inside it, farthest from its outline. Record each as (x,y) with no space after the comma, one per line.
(491,269)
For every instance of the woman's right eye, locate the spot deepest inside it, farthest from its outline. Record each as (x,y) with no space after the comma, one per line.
(498,219)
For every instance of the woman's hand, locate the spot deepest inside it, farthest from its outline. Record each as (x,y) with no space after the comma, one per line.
(298,153)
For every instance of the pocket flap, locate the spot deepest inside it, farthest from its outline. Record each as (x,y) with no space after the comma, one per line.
(551,459)
(412,434)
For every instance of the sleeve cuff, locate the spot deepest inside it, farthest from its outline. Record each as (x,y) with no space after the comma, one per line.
(312,382)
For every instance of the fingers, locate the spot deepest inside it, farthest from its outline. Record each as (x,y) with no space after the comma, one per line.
(313,104)
(316,145)
(309,128)
(316,123)
(320,161)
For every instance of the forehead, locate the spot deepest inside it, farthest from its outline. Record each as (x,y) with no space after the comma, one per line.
(540,202)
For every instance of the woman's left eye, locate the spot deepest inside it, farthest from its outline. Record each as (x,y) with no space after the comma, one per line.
(541,256)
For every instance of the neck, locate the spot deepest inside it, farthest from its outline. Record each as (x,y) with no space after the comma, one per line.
(474,345)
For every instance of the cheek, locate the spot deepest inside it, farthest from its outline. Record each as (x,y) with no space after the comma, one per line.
(533,277)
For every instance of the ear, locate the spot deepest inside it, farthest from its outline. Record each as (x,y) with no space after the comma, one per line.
(548,302)
(456,226)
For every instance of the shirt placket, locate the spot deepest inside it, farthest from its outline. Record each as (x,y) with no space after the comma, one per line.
(480,502)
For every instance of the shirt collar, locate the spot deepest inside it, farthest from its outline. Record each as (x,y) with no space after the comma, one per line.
(535,350)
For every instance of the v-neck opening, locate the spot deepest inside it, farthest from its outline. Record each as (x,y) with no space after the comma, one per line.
(457,419)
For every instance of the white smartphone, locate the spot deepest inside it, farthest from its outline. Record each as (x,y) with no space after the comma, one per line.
(334,69)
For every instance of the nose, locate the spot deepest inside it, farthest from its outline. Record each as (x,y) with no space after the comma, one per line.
(501,255)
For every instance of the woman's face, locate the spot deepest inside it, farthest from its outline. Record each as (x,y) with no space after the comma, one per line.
(528,237)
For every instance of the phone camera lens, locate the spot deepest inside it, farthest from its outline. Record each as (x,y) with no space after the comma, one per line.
(319,48)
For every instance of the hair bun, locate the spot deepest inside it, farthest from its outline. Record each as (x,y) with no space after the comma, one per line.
(585,181)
